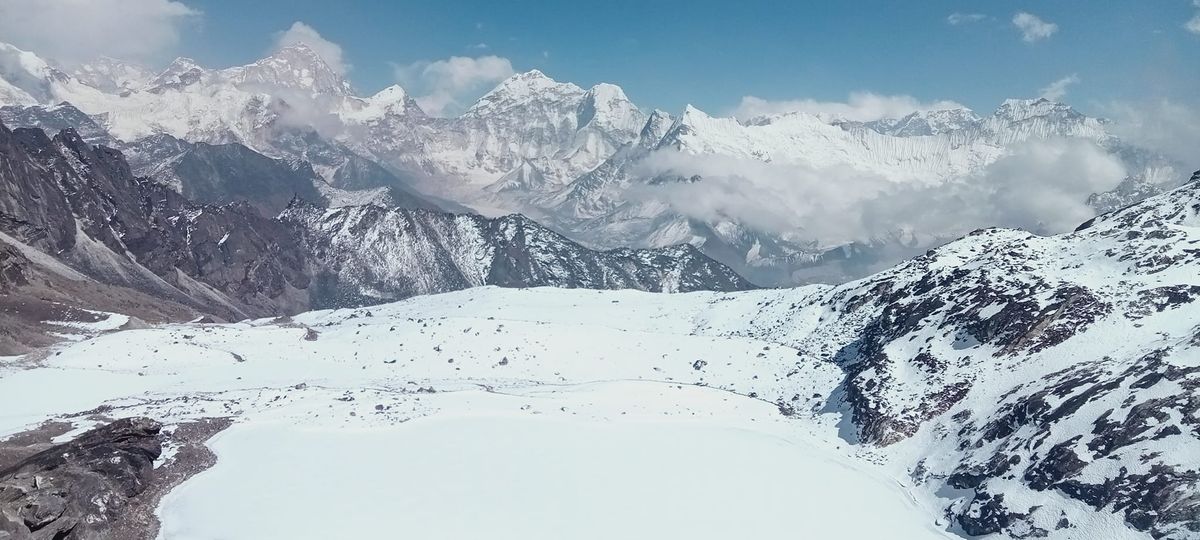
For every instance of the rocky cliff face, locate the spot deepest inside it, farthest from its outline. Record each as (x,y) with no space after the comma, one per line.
(82,205)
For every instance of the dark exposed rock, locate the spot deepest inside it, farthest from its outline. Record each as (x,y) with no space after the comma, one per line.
(88,209)
(986,514)
(1164,499)
(78,489)
(14,267)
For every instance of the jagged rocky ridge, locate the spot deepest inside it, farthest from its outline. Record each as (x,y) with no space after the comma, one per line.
(81,206)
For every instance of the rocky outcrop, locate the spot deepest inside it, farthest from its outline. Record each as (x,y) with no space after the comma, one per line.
(82,205)
(78,489)
(14,268)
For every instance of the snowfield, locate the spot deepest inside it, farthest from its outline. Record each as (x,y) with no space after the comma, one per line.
(516,413)
(610,460)
(537,413)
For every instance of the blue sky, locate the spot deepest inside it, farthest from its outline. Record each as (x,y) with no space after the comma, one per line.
(668,53)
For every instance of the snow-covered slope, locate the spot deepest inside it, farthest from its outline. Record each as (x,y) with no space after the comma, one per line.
(1011,385)
(113,76)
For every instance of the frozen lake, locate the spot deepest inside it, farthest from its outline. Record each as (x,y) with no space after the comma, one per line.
(525,477)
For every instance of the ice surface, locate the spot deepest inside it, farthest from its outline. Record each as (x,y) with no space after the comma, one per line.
(488,469)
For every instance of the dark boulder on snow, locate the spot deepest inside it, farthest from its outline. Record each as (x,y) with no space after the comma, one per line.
(77,490)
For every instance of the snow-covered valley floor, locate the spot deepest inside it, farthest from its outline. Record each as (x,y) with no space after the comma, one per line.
(499,413)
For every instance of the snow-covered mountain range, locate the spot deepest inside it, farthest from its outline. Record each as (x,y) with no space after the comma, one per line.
(589,163)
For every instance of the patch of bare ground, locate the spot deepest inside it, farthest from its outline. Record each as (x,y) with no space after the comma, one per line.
(19,446)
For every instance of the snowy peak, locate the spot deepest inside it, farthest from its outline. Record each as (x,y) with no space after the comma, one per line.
(392,95)
(393,101)
(526,178)
(113,76)
(692,114)
(656,127)
(606,107)
(1021,119)
(179,73)
(296,67)
(696,130)
(524,90)
(922,123)
(1017,110)
(25,78)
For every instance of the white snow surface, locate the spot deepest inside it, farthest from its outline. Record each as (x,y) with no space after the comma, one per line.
(606,460)
(578,402)
(396,409)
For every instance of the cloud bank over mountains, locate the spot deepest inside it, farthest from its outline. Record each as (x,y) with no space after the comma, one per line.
(446,87)
(1040,186)
(76,31)
(329,51)
(859,107)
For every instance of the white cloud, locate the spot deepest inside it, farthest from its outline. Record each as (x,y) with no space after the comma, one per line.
(1040,186)
(1032,27)
(859,107)
(1056,90)
(1165,126)
(329,51)
(964,18)
(443,86)
(1193,25)
(76,31)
